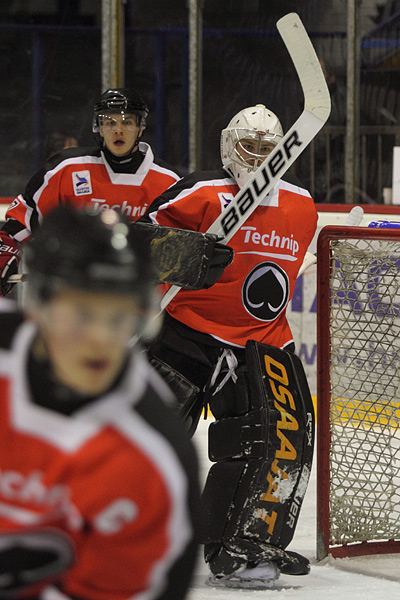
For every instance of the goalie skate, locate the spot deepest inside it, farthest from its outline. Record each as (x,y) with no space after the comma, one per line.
(259,577)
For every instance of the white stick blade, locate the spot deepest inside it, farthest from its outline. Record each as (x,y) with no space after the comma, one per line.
(355,216)
(309,260)
(307,64)
(354,219)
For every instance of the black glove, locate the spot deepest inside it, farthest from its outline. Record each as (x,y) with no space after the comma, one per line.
(10,255)
(221,258)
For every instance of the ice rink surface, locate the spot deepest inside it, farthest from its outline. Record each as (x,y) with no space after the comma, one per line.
(367,578)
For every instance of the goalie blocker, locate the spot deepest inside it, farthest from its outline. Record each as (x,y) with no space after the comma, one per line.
(262,449)
(190,259)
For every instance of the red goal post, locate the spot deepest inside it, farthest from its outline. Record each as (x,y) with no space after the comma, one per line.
(358,391)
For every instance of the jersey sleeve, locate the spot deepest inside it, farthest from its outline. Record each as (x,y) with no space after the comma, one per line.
(41,195)
(48,188)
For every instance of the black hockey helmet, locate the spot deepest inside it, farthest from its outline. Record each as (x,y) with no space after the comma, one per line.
(81,249)
(120,100)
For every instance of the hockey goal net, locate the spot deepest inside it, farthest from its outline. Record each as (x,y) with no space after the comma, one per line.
(358,390)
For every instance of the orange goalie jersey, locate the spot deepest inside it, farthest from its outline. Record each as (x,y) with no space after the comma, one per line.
(105,491)
(249,300)
(84,178)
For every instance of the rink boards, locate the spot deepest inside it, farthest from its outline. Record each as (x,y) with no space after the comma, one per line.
(302,308)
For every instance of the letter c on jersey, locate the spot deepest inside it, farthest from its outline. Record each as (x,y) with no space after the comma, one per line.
(265,291)
(113,518)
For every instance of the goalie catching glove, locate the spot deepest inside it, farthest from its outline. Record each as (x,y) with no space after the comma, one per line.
(10,256)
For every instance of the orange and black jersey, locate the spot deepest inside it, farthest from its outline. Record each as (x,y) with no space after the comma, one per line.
(82,177)
(249,301)
(115,478)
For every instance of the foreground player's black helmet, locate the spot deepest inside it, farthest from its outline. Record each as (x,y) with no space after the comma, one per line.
(78,249)
(120,100)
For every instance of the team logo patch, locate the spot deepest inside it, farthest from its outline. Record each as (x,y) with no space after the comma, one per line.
(265,291)
(225,199)
(82,183)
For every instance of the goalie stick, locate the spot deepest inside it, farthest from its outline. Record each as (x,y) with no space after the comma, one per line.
(317,106)
(354,219)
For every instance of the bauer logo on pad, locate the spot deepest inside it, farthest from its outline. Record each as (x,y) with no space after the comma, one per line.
(81,182)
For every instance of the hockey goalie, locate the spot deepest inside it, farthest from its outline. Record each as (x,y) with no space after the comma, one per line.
(230,347)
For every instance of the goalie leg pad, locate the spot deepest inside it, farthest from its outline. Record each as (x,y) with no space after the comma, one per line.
(269,448)
(280,380)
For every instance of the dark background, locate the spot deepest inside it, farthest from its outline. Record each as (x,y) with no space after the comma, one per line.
(50,75)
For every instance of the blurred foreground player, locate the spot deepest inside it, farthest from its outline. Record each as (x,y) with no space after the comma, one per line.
(233,343)
(60,140)
(98,479)
(121,172)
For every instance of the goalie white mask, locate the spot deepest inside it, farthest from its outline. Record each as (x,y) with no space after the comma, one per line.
(249,138)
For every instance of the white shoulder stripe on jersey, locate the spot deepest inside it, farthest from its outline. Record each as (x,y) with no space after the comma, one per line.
(165,171)
(272,198)
(132,178)
(187,192)
(295,189)
(65,432)
(74,160)
(60,430)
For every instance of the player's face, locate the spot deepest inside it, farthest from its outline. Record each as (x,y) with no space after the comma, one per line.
(85,337)
(120,132)
(254,151)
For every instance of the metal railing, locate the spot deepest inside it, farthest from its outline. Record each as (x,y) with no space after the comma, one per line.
(326,158)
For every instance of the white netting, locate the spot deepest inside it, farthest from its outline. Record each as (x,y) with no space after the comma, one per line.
(365,391)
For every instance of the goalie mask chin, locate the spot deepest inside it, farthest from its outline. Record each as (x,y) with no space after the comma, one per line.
(248,139)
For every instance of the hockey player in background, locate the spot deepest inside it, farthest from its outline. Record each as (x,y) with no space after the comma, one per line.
(233,344)
(98,477)
(120,173)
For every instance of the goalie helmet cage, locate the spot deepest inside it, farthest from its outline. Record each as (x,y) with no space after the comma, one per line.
(358,391)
